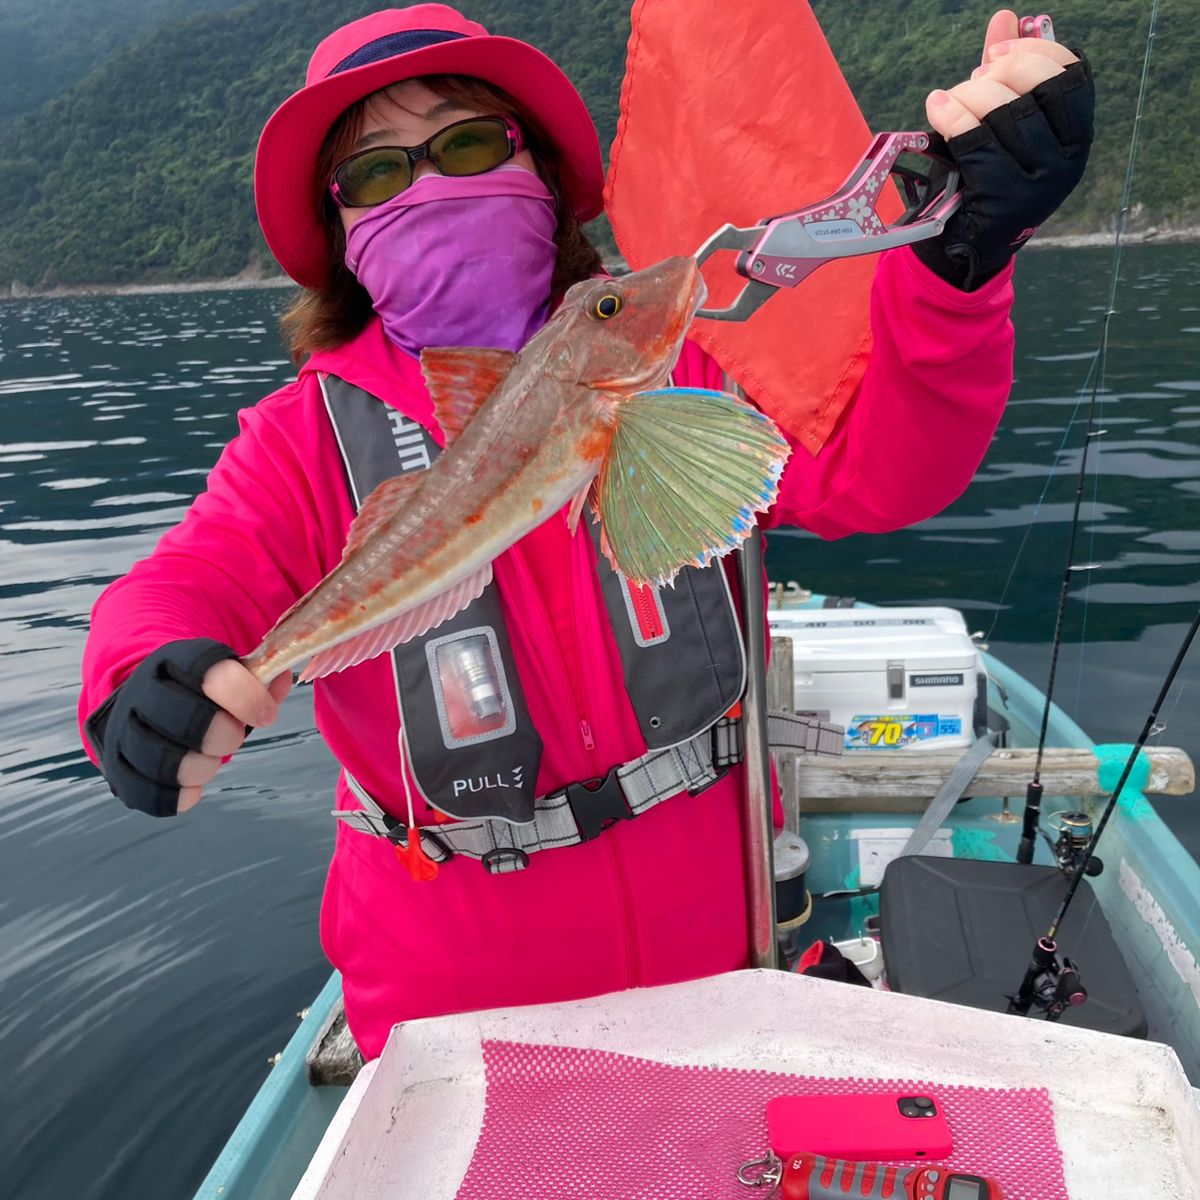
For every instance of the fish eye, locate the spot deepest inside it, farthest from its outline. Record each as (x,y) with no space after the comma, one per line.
(607,306)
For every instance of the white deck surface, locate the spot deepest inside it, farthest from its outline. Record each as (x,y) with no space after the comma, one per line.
(1127,1121)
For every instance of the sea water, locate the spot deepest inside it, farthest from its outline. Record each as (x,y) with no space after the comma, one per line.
(148,970)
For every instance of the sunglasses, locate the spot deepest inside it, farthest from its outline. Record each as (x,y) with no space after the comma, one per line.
(468,147)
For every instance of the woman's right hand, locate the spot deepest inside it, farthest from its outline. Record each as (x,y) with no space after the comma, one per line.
(164,733)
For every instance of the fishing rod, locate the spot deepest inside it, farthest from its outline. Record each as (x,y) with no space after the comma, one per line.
(1033,791)
(1047,984)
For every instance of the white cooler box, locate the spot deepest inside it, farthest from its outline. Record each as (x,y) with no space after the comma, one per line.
(898,679)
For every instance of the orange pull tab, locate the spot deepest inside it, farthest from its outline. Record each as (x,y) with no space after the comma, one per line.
(414,859)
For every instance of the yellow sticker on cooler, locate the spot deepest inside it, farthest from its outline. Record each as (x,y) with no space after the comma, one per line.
(889,731)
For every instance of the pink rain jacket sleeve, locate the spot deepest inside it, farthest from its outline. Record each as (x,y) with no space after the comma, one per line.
(651,901)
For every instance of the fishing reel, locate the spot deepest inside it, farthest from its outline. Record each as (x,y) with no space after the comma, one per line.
(1071,849)
(1050,985)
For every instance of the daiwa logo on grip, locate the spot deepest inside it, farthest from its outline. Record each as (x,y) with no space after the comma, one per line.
(483,783)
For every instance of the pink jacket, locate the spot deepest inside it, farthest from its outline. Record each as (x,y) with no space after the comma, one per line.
(651,901)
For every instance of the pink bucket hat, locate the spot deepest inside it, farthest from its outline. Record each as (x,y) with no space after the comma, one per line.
(375,52)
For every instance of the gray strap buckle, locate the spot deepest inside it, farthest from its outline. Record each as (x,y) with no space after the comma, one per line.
(597,804)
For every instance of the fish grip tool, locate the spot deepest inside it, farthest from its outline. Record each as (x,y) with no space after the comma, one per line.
(806,1176)
(782,251)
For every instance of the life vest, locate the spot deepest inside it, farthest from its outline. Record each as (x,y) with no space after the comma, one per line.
(472,748)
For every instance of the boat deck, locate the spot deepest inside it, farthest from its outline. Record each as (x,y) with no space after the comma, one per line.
(1124,1114)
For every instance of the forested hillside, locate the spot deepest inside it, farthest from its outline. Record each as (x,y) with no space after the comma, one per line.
(46,47)
(142,171)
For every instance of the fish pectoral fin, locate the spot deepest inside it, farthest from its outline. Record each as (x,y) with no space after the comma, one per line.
(402,628)
(581,497)
(687,474)
(384,502)
(460,379)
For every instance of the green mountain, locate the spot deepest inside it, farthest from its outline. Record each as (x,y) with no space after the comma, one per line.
(47,47)
(142,170)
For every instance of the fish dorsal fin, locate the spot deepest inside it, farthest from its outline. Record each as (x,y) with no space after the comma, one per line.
(386,500)
(460,379)
(687,473)
(410,624)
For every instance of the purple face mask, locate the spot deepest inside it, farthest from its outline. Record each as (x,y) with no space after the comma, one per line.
(463,261)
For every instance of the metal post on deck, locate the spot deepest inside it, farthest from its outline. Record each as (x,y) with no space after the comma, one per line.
(759,829)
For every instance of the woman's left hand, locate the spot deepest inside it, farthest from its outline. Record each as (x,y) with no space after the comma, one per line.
(1019,131)
(1011,67)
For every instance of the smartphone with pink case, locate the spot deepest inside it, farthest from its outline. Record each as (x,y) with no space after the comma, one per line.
(859,1127)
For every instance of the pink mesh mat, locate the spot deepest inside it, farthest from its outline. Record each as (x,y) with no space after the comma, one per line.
(566,1122)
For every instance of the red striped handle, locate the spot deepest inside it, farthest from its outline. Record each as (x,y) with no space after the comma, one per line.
(815,1177)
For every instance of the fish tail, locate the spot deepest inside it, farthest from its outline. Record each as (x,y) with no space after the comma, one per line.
(686,477)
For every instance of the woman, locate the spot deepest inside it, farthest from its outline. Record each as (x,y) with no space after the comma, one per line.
(427,187)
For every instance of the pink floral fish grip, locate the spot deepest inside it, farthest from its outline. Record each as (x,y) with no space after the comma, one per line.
(783,251)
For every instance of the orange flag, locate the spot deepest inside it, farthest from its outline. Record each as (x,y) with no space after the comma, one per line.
(731,112)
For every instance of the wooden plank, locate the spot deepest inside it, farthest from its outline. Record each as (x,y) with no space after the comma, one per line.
(781,697)
(333,1058)
(781,683)
(900,775)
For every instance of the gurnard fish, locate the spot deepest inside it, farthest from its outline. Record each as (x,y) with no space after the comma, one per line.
(675,476)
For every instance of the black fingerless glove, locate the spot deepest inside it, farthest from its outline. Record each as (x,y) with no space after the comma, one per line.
(142,731)
(1017,168)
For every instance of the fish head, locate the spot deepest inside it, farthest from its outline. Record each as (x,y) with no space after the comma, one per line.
(624,335)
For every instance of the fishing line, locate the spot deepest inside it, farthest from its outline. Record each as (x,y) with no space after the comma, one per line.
(1165,723)
(1033,793)
(1037,508)
(1087,579)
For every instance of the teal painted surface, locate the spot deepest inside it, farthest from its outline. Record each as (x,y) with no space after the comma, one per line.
(1113,756)
(1024,709)
(972,842)
(1134,805)
(1161,955)
(274,1141)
